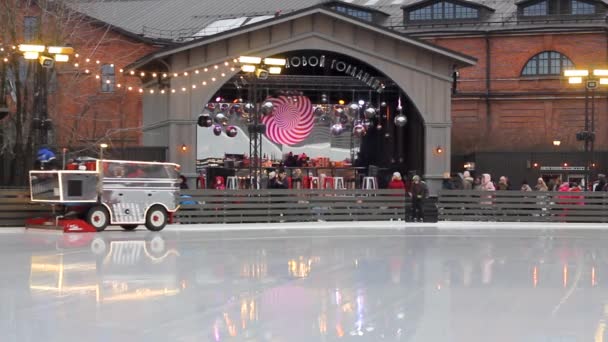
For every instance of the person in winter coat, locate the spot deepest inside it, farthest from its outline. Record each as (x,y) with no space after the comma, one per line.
(467,181)
(503,183)
(601,183)
(396,182)
(525,186)
(219,183)
(272,180)
(281,181)
(477,183)
(486,183)
(419,193)
(541,185)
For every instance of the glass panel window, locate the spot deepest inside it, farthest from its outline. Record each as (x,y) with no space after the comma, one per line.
(30,28)
(463,12)
(438,10)
(425,13)
(581,7)
(108,78)
(444,10)
(448,10)
(538,9)
(364,15)
(547,63)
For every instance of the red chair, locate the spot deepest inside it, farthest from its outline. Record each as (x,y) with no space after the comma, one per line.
(328,183)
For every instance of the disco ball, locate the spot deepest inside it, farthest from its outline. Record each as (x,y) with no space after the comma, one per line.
(337,129)
(367,124)
(249,107)
(224,107)
(379,127)
(383,104)
(267,108)
(319,110)
(370,113)
(338,111)
(359,130)
(221,119)
(210,107)
(236,108)
(204,120)
(217,130)
(353,109)
(231,131)
(324,120)
(400,120)
(343,119)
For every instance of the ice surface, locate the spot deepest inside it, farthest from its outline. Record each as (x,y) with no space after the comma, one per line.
(315,283)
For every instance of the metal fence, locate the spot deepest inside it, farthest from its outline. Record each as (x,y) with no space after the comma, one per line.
(521,206)
(250,206)
(265,206)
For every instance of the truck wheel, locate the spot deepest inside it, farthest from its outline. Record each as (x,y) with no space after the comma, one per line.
(128,226)
(98,217)
(157,218)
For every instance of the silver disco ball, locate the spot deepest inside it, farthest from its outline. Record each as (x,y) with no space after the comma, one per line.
(353,109)
(337,129)
(221,119)
(324,120)
(370,113)
(400,120)
(249,107)
(267,108)
(319,110)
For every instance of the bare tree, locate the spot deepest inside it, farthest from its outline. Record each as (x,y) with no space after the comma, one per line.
(63,106)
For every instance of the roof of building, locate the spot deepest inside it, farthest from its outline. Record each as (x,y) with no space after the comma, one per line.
(183,20)
(456,56)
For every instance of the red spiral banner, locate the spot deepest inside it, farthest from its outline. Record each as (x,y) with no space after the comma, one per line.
(291,120)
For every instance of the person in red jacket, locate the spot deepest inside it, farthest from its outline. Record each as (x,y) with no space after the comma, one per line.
(396,182)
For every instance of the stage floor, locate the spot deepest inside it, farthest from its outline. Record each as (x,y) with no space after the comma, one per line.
(310,284)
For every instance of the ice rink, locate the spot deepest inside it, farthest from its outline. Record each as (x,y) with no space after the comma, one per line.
(316,282)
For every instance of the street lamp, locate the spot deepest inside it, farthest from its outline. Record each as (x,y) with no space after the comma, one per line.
(592,80)
(46,56)
(102,147)
(257,68)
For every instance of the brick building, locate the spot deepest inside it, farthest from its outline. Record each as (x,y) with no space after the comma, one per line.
(74,105)
(506,111)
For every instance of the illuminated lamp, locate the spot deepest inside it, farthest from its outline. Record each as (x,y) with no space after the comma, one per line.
(184,148)
(30,55)
(62,58)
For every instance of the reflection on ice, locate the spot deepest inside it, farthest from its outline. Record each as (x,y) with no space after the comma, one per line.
(373,286)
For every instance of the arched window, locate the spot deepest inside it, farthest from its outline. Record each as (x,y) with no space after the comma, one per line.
(547,63)
(444,10)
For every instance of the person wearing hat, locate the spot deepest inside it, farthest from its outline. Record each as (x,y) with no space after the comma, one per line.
(396,182)
(272,179)
(419,193)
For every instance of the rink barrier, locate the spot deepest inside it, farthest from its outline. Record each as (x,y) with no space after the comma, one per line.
(521,206)
(270,206)
(15,207)
(243,206)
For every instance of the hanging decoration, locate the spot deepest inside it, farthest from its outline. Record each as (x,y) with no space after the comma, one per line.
(291,120)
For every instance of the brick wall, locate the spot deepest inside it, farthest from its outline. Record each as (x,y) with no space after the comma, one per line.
(524,113)
(82,113)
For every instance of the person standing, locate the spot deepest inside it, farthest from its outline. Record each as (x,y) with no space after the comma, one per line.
(486,183)
(467,181)
(541,185)
(396,182)
(419,193)
(281,181)
(503,183)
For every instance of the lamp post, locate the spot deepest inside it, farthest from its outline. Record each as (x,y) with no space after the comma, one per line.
(46,56)
(102,147)
(257,69)
(592,80)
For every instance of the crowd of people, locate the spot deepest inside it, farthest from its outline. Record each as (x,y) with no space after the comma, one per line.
(485,183)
